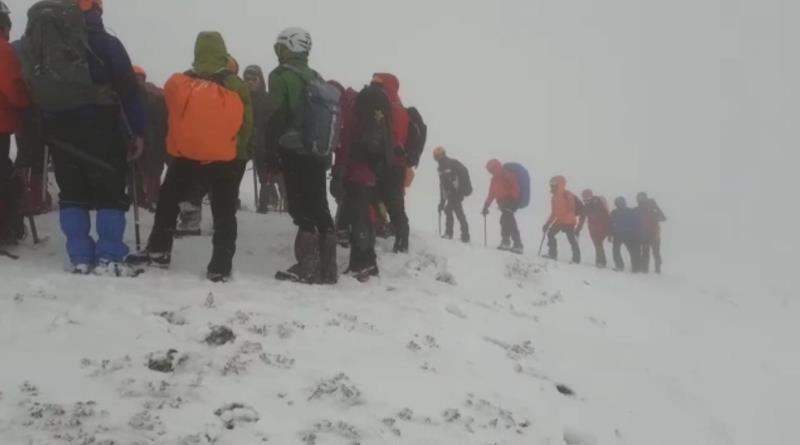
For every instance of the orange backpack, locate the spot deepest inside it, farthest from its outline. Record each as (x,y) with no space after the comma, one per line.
(204,119)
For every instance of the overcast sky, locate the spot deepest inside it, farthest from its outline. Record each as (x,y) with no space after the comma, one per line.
(694,101)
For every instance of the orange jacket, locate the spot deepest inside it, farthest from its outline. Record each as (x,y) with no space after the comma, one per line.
(504,187)
(13,94)
(562,205)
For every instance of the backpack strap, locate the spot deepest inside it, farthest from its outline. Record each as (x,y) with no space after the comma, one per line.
(300,73)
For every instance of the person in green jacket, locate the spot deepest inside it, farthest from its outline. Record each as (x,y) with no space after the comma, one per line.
(305,176)
(223,177)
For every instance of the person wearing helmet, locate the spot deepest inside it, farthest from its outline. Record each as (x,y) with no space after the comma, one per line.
(595,210)
(454,186)
(263,107)
(563,218)
(151,164)
(13,101)
(650,217)
(625,231)
(305,176)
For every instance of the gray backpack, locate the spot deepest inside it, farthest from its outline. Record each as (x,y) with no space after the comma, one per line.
(55,58)
(322,119)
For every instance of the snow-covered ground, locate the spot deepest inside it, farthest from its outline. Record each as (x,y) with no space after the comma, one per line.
(453,344)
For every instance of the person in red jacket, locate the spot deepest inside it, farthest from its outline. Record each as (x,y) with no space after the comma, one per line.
(13,101)
(595,210)
(505,190)
(650,218)
(563,218)
(391,182)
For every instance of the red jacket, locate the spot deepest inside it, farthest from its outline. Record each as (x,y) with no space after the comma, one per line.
(400,120)
(562,205)
(504,187)
(13,94)
(595,210)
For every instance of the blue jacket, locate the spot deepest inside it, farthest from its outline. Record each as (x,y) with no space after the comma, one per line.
(116,70)
(625,224)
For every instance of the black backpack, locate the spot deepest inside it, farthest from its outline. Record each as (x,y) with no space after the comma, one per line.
(373,142)
(55,58)
(464,182)
(417,136)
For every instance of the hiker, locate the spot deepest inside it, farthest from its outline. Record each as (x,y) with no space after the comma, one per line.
(454,186)
(295,132)
(93,118)
(13,101)
(210,122)
(625,228)
(563,218)
(363,155)
(263,107)
(650,218)
(391,183)
(151,164)
(595,210)
(505,189)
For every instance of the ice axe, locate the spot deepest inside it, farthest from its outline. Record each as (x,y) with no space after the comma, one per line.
(544,235)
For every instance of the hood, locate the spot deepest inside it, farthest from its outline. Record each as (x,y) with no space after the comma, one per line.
(210,53)
(620,203)
(389,83)
(494,167)
(255,70)
(560,182)
(587,194)
(94,20)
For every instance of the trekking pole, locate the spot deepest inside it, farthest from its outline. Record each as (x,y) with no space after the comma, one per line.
(485,236)
(34,231)
(134,194)
(255,185)
(45,174)
(440,223)
(544,235)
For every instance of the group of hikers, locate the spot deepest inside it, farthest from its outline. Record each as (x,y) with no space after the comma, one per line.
(637,229)
(69,93)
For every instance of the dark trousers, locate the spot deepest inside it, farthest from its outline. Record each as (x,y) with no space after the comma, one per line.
(552,243)
(647,247)
(223,179)
(11,226)
(509,231)
(454,206)
(633,250)
(6,166)
(392,192)
(97,134)
(357,210)
(307,193)
(600,251)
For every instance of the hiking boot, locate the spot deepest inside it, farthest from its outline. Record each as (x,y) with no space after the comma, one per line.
(160,260)
(548,256)
(504,246)
(447,236)
(465,238)
(307,270)
(81,269)
(365,274)
(329,270)
(107,268)
(217,277)
(519,250)
(401,245)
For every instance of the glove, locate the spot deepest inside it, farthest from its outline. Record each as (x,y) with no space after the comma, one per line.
(485,211)
(545,227)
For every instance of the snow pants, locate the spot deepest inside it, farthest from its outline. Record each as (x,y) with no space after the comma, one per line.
(392,190)
(357,209)
(647,247)
(633,248)
(223,179)
(455,206)
(599,249)
(509,231)
(307,193)
(552,243)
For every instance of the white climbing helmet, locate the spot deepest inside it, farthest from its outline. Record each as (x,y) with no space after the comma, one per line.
(4,9)
(297,40)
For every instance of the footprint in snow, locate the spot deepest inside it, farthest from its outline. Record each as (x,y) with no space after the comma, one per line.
(235,414)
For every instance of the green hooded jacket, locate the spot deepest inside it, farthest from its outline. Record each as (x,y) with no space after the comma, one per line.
(210,59)
(286,89)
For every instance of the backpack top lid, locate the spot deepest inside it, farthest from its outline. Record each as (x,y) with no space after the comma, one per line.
(523,181)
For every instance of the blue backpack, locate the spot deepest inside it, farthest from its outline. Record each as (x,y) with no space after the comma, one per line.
(524,182)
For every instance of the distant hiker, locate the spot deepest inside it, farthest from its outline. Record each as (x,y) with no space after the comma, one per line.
(625,228)
(565,208)
(454,186)
(154,158)
(650,217)
(210,122)
(13,101)
(364,154)
(391,183)
(505,189)
(92,108)
(595,210)
(302,131)
(263,107)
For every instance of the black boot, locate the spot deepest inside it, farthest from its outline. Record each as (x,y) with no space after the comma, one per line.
(329,270)
(307,270)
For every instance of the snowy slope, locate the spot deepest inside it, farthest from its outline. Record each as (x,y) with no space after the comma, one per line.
(452,345)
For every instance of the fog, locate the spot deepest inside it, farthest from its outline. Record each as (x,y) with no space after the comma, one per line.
(694,101)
